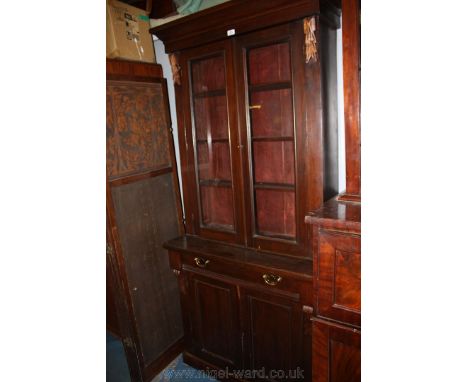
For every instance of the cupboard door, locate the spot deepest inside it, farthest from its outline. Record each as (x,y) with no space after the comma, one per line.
(214,210)
(273,336)
(338,272)
(336,353)
(214,315)
(268,95)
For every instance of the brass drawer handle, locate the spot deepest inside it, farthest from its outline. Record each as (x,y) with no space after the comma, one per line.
(271,279)
(201,262)
(255,107)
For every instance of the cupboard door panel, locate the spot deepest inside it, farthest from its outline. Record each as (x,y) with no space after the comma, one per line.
(208,74)
(339,277)
(269,64)
(336,353)
(213,161)
(215,322)
(217,207)
(275,213)
(273,334)
(274,162)
(271,113)
(210,115)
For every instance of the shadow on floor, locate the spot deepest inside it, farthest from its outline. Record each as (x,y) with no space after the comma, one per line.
(176,371)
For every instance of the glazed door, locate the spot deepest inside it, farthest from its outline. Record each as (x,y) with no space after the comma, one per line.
(214,319)
(270,131)
(212,197)
(336,353)
(273,336)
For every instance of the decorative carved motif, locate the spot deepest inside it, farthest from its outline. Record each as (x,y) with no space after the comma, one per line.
(137,128)
(175,67)
(310,41)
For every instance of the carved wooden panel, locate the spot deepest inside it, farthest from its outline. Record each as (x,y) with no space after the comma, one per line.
(336,353)
(137,128)
(339,277)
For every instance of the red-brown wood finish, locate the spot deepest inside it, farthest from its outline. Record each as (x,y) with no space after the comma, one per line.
(335,231)
(257,135)
(143,211)
(217,335)
(338,277)
(351,20)
(224,291)
(274,335)
(336,354)
(209,143)
(250,111)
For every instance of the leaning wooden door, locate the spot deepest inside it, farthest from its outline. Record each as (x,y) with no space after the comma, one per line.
(144,210)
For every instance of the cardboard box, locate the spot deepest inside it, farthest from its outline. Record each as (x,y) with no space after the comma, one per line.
(128,32)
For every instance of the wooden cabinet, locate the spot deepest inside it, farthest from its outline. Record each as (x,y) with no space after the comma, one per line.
(258,140)
(336,321)
(243,311)
(339,277)
(256,98)
(216,334)
(336,353)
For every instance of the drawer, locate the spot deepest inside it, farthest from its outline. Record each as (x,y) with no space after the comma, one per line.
(338,273)
(272,279)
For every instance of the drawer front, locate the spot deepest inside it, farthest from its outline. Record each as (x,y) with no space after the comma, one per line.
(338,272)
(268,278)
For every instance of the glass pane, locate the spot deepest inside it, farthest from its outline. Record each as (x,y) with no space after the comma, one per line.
(271,113)
(208,74)
(217,207)
(275,212)
(274,162)
(211,131)
(213,161)
(272,140)
(211,117)
(269,64)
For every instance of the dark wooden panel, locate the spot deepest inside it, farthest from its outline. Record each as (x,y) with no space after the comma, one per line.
(274,334)
(337,215)
(112,321)
(137,128)
(269,64)
(242,15)
(300,268)
(275,212)
(352,93)
(339,277)
(146,217)
(214,316)
(131,70)
(336,353)
(271,113)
